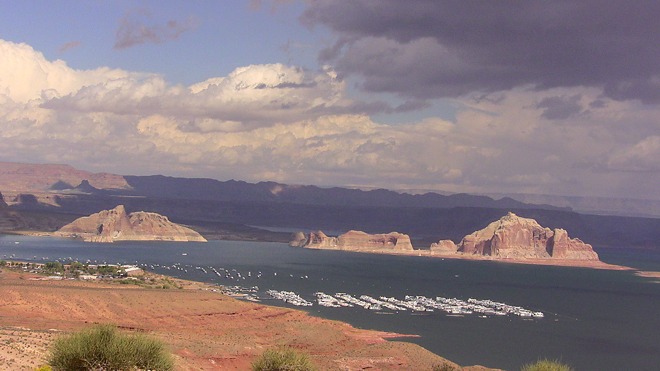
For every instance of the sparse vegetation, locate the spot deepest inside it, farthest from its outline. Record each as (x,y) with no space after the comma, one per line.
(443,367)
(546,365)
(103,347)
(74,269)
(284,359)
(153,282)
(53,268)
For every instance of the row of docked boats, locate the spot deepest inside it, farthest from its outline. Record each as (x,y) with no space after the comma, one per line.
(289,297)
(451,306)
(414,304)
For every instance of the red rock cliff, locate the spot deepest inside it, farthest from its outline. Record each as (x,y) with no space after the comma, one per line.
(562,247)
(513,237)
(354,241)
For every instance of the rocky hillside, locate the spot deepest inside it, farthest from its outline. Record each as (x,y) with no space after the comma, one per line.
(513,237)
(353,241)
(116,225)
(15,176)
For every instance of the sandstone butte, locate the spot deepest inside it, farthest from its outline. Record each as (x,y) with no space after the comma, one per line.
(354,241)
(116,225)
(511,239)
(514,237)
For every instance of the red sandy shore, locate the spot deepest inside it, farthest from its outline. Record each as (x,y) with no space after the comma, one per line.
(205,330)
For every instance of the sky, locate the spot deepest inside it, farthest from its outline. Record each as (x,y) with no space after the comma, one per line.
(489,97)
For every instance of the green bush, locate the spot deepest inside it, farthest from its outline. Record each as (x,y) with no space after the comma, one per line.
(284,359)
(102,347)
(546,365)
(52,267)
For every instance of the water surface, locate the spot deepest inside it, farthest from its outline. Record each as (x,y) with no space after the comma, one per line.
(595,319)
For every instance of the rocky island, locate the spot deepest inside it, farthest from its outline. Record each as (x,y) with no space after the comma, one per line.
(354,241)
(116,225)
(514,237)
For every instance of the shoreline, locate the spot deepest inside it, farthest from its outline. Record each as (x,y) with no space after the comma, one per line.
(382,337)
(204,329)
(547,262)
(421,253)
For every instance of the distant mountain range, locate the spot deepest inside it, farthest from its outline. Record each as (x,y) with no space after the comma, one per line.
(239,191)
(18,177)
(49,196)
(593,205)
(23,177)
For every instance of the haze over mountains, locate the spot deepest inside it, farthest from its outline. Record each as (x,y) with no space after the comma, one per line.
(64,178)
(270,211)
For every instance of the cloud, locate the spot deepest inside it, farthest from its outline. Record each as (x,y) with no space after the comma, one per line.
(431,49)
(134,30)
(68,46)
(560,107)
(641,157)
(284,123)
(255,95)
(25,74)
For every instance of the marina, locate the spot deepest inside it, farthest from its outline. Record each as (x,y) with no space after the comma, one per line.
(582,308)
(410,304)
(382,305)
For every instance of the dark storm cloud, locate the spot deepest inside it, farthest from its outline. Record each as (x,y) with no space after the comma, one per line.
(560,108)
(428,49)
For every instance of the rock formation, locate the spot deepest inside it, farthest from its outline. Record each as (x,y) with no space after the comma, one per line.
(116,225)
(3,204)
(353,241)
(562,247)
(85,187)
(444,247)
(513,237)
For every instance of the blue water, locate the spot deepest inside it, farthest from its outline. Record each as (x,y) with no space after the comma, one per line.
(595,319)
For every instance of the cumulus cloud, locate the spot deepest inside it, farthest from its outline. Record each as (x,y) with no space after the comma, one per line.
(256,95)
(436,49)
(134,30)
(283,123)
(25,74)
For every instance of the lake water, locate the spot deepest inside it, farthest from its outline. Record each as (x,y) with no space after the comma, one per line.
(594,319)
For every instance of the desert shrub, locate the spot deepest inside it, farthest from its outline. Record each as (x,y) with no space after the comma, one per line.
(443,367)
(284,359)
(102,347)
(52,267)
(44,368)
(546,365)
